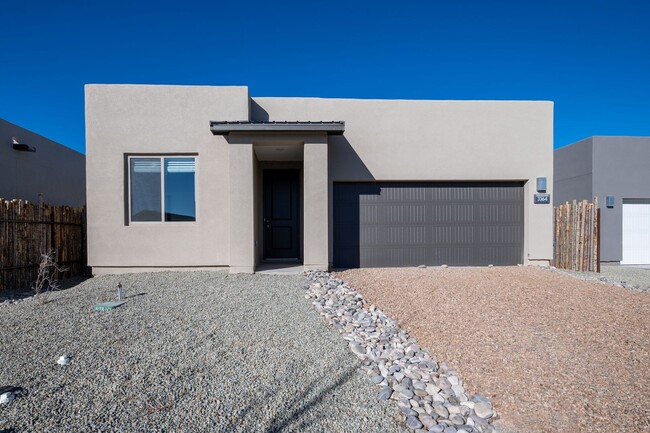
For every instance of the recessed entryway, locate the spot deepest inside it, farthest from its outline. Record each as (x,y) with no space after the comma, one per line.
(281,214)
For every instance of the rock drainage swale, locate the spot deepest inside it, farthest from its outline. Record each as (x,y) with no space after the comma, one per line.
(430,395)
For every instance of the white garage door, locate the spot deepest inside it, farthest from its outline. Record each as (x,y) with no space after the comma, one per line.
(636,231)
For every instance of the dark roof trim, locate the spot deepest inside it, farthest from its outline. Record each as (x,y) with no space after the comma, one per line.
(225,128)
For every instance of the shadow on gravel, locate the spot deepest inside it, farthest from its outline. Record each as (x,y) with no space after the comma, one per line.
(15,294)
(289,415)
(301,403)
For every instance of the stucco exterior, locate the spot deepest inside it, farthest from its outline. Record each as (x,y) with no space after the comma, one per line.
(53,170)
(600,167)
(384,140)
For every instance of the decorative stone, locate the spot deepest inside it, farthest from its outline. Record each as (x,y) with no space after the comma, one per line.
(457,419)
(469,404)
(429,394)
(404,391)
(408,411)
(479,399)
(413,423)
(385,393)
(439,398)
(444,383)
(427,421)
(357,349)
(483,410)
(478,420)
(419,385)
(7,397)
(420,393)
(413,374)
(441,411)
(403,402)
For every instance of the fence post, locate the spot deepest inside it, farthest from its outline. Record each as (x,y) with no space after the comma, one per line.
(577,236)
(84,247)
(598,247)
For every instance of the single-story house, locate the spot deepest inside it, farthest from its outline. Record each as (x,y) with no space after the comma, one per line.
(616,170)
(31,164)
(194,177)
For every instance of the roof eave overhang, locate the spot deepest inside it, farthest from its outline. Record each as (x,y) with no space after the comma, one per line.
(225,128)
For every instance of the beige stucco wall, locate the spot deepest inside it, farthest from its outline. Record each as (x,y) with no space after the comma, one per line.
(384,140)
(137,119)
(437,140)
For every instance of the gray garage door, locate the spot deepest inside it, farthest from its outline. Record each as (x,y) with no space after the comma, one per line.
(409,224)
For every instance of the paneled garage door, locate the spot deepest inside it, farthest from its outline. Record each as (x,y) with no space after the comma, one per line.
(636,231)
(408,224)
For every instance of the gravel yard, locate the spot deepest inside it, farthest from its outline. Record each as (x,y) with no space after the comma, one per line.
(188,352)
(554,353)
(633,277)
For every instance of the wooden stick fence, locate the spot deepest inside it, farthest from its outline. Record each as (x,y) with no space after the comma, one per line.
(28,230)
(577,236)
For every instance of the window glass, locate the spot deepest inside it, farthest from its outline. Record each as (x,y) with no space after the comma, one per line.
(179,189)
(145,189)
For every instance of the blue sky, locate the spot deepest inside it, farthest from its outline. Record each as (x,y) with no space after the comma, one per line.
(592,58)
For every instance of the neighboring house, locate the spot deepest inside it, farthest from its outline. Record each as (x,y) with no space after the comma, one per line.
(618,168)
(202,177)
(31,164)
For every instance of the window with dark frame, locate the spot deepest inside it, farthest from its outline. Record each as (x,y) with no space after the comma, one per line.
(162,189)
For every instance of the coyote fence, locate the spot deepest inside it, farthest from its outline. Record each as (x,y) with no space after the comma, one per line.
(28,230)
(577,236)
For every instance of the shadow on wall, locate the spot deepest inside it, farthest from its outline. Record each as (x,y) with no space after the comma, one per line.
(346,166)
(347,235)
(257,113)
(345,163)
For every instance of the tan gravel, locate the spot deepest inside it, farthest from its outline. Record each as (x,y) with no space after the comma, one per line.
(555,353)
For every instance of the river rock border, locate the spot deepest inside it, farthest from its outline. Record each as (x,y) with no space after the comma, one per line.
(429,394)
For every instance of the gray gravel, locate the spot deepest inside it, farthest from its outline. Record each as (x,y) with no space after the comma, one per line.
(635,278)
(192,351)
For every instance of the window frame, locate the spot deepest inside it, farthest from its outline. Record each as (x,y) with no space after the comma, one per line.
(161,157)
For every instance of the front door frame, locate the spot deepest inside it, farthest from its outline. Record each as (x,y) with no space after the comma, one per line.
(296,203)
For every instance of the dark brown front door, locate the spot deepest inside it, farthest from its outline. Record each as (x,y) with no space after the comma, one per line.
(281,214)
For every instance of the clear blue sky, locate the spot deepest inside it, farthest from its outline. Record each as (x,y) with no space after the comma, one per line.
(592,58)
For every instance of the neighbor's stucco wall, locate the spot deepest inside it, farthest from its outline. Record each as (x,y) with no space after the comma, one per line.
(572,168)
(56,171)
(436,140)
(621,167)
(140,119)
